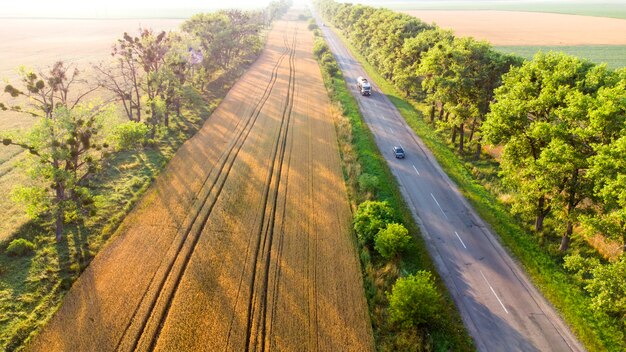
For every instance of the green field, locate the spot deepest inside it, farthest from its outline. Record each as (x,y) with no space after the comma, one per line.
(613,55)
(602,8)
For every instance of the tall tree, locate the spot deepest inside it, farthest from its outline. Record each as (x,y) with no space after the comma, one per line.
(541,115)
(63,139)
(413,49)
(123,78)
(45,91)
(148,51)
(66,150)
(608,171)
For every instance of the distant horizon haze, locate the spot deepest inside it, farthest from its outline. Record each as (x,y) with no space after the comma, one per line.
(119,8)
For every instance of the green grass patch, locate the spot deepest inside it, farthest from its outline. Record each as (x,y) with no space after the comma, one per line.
(596,331)
(378,274)
(613,55)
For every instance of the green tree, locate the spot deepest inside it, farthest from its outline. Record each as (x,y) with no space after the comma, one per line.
(608,168)
(145,53)
(66,150)
(44,91)
(65,144)
(540,115)
(414,301)
(392,240)
(608,289)
(406,77)
(462,74)
(370,218)
(604,282)
(608,172)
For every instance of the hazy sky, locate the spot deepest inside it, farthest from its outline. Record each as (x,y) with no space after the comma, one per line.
(98,8)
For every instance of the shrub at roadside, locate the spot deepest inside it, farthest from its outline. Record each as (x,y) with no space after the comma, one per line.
(392,240)
(370,218)
(414,301)
(130,135)
(368,183)
(322,53)
(20,247)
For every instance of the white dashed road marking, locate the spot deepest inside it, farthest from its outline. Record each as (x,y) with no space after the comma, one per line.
(459,237)
(444,214)
(494,292)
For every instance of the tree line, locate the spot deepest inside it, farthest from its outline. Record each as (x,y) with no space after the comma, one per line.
(152,76)
(561,122)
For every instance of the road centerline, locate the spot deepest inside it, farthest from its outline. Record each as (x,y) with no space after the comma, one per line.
(435,199)
(459,237)
(494,292)
(414,168)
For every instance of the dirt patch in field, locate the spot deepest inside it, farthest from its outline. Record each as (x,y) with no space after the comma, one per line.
(244,242)
(529,28)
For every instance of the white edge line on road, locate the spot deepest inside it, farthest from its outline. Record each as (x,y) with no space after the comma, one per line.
(444,214)
(390,130)
(459,237)
(494,292)
(414,168)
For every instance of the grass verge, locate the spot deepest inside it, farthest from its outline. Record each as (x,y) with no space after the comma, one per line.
(613,55)
(595,330)
(360,156)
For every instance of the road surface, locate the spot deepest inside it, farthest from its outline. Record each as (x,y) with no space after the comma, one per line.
(501,309)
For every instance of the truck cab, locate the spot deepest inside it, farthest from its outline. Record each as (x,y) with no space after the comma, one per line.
(364,87)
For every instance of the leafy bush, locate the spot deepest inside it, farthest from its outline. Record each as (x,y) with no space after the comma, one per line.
(130,135)
(312,25)
(320,48)
(608,289)
(370,218)
(329,64)
(20,247)
(368,182)
(392,240)
(414,301)
(35,199)
(604,282)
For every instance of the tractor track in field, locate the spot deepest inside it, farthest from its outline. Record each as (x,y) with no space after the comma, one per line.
(257,322)
(142,330)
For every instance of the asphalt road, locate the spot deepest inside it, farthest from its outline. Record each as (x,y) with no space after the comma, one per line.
(501,309)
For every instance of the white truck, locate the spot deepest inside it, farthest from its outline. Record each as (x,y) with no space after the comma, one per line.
(364,87)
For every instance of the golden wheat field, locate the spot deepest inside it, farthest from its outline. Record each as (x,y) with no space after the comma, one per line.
(243,242)
(529,28)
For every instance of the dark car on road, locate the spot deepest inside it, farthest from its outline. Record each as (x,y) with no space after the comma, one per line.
(398,152)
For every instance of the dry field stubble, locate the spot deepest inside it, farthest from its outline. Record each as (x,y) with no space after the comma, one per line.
(37,44)
(529,28)
(244,242)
